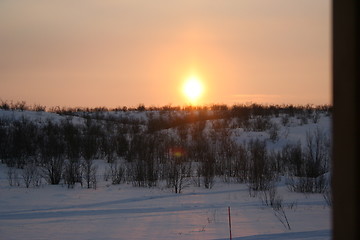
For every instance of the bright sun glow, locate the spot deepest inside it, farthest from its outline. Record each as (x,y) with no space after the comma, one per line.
(193,89)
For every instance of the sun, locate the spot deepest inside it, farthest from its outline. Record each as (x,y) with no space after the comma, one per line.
(193,89)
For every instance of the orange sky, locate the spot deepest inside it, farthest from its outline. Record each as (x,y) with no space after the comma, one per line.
(114,53)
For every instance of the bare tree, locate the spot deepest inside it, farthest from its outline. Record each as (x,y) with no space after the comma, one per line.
(260,175)
(72,172)
(116,172)
(207,169)
(241,164)
(30,175)
(314,164)
(178,173)
(53,169)
(13,176)
(89,173)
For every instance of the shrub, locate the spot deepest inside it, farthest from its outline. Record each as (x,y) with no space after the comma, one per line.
(73,173)
(116,172)
(30,175)
(260,174)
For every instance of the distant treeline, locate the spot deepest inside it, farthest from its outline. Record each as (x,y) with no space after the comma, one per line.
(254,108)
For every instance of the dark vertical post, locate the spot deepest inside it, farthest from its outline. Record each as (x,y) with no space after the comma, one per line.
(346,122)
(229,223)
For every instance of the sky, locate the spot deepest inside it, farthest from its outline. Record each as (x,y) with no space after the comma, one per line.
(114,53)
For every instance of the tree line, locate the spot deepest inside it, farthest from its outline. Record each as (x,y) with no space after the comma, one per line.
(178,147)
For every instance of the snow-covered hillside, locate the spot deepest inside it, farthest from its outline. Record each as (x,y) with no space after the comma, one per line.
(273,202)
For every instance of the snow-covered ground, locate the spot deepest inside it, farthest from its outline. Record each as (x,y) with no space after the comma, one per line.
(126,212)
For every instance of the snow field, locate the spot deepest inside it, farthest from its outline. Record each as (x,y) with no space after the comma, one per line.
(125,212)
